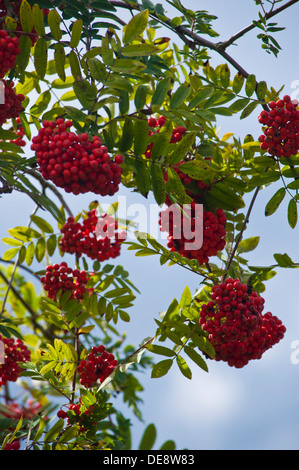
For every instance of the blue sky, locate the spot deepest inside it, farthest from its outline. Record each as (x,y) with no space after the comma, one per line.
(255,407)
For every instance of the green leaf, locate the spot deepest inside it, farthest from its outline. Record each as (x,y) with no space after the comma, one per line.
(275,201)
(40,249)
(140,96)
(249,109)
(283,260)
(224,75)
(76,33)
(184,368)
(136,26)
(30,251)
(149,437)
(142,177)
(42,224)
(182,148)
(51,245)
(161,368)
(54,431)
(248,244)
(238,82)
(75,65)
(158,183)
(139,50)
(22,59)
(195,357)
(168,445)
(127,137)
(54,21)
(26,17)
(127,66)
(10,254)
(261,90)
(97,69)
(140,136)
(85,93)
(292,213)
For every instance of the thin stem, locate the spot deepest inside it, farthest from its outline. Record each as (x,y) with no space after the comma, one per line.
(248,28)
(239,238)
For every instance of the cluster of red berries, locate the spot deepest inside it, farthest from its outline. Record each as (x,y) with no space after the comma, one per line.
(96,237)
(235,325)
(14,352)
(75,163)
(62,278)
(281,132)
(10,102)
(194,234)
(15,445)
(15,13)
(9,50)
(97,366)
(155,126)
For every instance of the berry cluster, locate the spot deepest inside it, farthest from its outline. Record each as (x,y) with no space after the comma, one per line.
(15,445)
(60,277)
(281,132)
(79,413)
(14,352)
(155,126)
(97,366)
(9,50)
(235,325)
(10,102)
(207,230)
(75,163)
(95,237)
(21,133)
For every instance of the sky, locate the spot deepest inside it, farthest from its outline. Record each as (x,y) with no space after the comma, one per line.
(254,408)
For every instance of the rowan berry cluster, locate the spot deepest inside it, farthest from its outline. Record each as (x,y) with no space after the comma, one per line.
(74,162)
(235,324)
(155,126)
(281,132)
(194,234)
(15,411)
(14,352)
(10,102)
(79,413)
(9,50)
(194,188)
(62,278)
(97,366)
(96,237)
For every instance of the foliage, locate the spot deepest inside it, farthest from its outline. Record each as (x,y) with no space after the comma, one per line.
(108,76)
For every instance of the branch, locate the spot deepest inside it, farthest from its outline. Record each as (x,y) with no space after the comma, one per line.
(239,238)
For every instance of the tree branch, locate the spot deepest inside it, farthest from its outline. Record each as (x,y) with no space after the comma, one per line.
(225,44)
